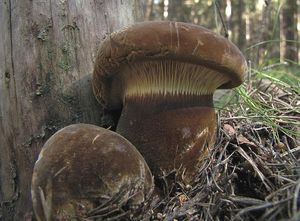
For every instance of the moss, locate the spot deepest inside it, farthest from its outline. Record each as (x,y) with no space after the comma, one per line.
(7,78)
(43,35)
(66,60)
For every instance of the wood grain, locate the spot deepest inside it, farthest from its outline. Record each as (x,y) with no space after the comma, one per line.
(47,50)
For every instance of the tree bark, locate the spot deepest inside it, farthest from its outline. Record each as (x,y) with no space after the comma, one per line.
(149,10)
(288,31)
(47,50)
(241,25)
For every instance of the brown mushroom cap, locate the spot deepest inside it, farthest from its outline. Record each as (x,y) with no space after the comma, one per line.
(173,42)
(83,166)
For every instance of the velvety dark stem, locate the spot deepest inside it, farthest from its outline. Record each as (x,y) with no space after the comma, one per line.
(169,132)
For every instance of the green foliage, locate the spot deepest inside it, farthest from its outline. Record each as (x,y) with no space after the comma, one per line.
(271,98)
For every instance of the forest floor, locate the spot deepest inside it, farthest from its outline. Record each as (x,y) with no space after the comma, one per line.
(253,172)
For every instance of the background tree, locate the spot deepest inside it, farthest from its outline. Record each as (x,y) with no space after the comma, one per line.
(265,30)
(47,49)
(288,25)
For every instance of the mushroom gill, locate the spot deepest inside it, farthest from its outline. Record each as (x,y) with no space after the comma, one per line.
(167,78)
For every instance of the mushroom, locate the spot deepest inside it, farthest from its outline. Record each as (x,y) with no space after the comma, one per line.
(163,76)
(84,171)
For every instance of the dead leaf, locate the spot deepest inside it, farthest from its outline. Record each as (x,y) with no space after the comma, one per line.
(182,199)
(243,140)
(280,147)
(229,130)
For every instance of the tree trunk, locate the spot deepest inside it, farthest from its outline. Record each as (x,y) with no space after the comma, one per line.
(241,25)
(149,10)
(288,34)
(47,50)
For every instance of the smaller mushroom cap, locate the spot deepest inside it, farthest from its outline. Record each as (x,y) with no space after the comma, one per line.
(83,167)
(173,42)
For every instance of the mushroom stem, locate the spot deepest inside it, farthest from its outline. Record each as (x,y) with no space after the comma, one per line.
(170,132)
(164,75)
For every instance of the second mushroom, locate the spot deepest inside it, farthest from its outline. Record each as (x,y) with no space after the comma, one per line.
(163,76)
